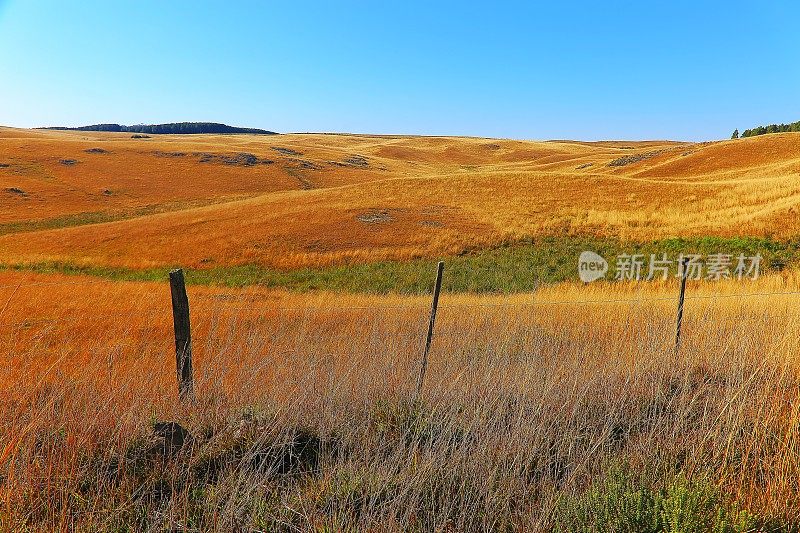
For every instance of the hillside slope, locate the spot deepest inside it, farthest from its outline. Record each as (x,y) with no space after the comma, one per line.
(305,200)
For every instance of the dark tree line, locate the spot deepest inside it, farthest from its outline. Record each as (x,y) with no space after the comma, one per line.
(772,128)
(174,128)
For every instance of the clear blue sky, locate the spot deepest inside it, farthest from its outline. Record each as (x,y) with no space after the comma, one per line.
(690,70)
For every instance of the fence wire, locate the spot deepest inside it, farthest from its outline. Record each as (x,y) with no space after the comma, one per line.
(246,322)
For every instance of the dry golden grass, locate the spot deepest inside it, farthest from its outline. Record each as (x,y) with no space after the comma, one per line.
(528,399)
(415,197)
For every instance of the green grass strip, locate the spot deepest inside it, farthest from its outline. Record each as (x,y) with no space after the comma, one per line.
(513,268)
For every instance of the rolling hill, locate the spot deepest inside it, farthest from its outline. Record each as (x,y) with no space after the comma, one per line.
(170,129)
(528,397)
(304,200)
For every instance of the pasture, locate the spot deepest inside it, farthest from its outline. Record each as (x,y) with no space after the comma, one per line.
(547,405)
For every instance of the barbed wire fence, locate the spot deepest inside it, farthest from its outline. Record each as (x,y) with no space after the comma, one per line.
(237,309)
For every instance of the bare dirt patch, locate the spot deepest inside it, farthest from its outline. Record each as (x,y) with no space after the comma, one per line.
(375,216)
(159,153)
(633,158)
(242,159)
(354,161)
(303,163)
(285,151)
(357,161)
(15,190)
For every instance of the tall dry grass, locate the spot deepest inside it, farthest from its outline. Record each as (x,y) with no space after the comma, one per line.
(303,420)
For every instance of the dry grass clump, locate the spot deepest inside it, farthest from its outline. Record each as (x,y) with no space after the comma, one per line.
(538,410)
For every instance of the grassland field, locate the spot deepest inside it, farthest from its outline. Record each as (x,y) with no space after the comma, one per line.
(548,404)
(309,201)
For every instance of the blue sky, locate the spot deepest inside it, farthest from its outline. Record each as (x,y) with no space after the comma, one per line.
(579,70)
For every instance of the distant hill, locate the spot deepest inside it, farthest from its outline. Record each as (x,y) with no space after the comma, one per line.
(350,200)
(182,128)
(772,128)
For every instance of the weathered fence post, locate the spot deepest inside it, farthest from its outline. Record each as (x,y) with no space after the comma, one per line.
(434,306)
(684,275)
(183,334)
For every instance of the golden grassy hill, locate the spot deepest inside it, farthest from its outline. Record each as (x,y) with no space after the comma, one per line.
(311,199)
(529,399)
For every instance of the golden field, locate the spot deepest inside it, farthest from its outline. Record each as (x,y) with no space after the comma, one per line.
(562,409)
(528,400)
(337,199)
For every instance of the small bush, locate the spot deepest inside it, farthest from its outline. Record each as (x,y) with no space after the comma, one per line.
(623,502)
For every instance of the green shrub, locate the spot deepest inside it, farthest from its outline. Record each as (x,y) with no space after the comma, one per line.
(623,502)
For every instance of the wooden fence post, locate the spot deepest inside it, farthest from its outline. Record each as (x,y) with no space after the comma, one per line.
(434,306)
(684,275)
(183,334)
